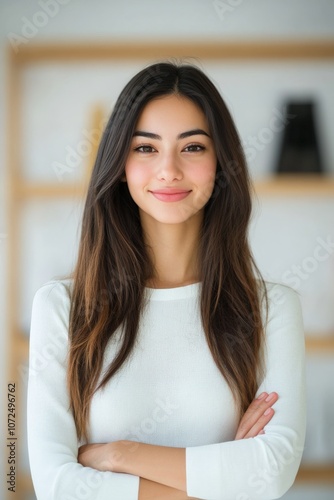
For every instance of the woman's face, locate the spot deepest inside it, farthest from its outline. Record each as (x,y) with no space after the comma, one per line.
(170,170)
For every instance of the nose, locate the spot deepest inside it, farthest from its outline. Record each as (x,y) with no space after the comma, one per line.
(169,169)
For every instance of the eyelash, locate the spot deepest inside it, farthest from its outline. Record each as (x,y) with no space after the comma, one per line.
(198,146)
(138,148)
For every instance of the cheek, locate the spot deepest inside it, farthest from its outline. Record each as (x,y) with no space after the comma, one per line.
(206,176)
(205,180)
(136,175)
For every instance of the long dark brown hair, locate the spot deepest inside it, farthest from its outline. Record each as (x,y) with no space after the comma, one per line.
(113,264)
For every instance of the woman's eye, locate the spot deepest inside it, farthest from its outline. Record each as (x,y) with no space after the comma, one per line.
(144,148)
(194,148)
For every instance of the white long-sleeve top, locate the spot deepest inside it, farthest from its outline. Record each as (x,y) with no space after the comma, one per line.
(169,392)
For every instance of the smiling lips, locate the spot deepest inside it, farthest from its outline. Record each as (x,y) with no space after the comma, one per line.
(170,194)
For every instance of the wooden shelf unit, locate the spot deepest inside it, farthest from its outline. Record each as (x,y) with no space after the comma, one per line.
(19,189)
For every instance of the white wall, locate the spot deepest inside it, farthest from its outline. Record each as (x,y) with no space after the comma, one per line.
(180,18)
(170,20)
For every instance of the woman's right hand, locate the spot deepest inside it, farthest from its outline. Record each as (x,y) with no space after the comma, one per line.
(256,417)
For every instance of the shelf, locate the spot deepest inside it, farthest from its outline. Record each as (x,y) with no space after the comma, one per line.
(24,483)
(40,190)
(22,345)
(296,185)
(323,473)
(314,343)
(215,49)
(279,185)
(317,343)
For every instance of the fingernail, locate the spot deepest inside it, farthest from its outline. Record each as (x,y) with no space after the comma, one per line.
(262,395)
(267,411)
(269,397)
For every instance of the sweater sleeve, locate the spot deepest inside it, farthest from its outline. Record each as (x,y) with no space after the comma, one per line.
(52,437)
(263,467)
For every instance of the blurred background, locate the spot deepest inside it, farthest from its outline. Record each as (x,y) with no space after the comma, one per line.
(63,64)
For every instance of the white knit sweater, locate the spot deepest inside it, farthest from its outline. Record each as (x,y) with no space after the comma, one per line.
(169,392)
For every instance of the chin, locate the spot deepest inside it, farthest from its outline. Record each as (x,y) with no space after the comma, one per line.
(173,221)
(173,218)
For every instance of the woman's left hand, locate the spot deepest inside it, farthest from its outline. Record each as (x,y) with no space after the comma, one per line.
(257,416)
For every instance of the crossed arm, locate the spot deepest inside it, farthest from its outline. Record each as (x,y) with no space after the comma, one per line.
(162,469)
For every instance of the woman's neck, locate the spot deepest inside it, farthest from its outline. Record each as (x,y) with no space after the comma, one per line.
(174,252)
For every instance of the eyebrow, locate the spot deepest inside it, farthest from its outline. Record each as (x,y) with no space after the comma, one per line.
(183,135)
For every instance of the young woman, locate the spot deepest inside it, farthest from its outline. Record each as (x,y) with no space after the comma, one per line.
(154,366)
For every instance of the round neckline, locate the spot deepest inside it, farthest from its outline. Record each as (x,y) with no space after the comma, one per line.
(180,292)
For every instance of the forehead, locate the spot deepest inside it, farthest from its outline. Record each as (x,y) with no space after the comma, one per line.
(172,111)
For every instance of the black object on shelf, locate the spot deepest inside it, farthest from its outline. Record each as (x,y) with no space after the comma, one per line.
(299,152)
